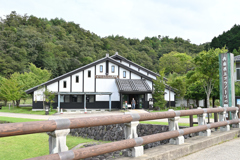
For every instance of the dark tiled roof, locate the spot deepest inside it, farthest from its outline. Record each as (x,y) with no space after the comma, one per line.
(133,85)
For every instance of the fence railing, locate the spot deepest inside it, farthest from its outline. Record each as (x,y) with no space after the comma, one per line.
(58,129)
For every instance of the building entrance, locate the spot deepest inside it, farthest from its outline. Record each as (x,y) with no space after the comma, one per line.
(139,98)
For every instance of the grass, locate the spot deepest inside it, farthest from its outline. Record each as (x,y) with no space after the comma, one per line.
(31,145)
(25,110)
(16,120)
(165,123)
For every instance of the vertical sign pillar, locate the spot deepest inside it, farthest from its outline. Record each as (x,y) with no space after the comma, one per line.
(226,80)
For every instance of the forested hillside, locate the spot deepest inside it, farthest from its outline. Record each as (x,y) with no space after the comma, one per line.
(231,39)
(61,46)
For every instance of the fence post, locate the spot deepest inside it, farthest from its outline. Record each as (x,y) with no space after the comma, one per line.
(202,121)
(222,117)
(57,138)
(235,116)
(131,132)
(173,125)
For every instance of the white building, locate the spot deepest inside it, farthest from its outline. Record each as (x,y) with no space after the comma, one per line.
(104,84)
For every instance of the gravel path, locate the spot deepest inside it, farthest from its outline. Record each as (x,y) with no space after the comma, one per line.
(223,151)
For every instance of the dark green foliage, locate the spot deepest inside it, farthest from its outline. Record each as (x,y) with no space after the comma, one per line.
(230,39)
(61,46)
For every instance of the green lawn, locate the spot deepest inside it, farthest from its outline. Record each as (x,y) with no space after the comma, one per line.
(31,145)
(25,110)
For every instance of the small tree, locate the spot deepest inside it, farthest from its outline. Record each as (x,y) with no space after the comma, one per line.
(49,97)
(159,91)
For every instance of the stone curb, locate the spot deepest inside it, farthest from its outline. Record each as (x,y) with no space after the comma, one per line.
(170,152)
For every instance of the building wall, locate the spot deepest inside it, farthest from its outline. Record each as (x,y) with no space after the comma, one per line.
(67,89)
(166,96)
(98,69)
(143,72)
(110,87)
(53,87)
(121,73)
(89,84)
(133,67)
(77,87)
(183,102)
(134,76)
(38,95)
(152,76)
(125,63)
(110,69)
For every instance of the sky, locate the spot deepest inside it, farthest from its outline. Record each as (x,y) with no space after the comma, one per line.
(196,20)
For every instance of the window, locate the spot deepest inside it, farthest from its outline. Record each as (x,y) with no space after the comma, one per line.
(124,74)
(77,79)
(113,69)
(64,84)
(74,98)
(90,98)
(101,68)
(238,74)
(89,74)
(79,98)
(67,98)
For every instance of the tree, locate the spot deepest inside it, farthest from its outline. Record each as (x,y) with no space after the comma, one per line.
(159,91)
(207,69)
(10,90)
(179,63)
(178,82)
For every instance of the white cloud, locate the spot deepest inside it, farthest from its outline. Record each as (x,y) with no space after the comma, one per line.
(198,21)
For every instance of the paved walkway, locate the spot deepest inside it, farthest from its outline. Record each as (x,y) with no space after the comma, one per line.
(78,115)
(223,151)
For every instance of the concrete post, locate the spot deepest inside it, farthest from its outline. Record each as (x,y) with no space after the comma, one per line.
(58,103)
(131,132)
(57,139)
(85,104)
(222,117)
(173,125)
(202,121)
(110,102)
(235,116)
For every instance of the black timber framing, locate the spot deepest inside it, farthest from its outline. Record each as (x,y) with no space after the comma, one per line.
(134,64)
(108,59)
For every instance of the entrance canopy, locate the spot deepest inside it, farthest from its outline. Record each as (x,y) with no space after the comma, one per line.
(133,86)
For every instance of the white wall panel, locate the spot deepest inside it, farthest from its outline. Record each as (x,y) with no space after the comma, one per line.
(38,94)
(143,72)
(166,96)
(125,63)
(110,69)
(134,76)
(133,67)
(67,89)
(77,87)
(98,69)
(89,81)
(53,87)
(149,96)
(107,85)
(152,76)
(121,73)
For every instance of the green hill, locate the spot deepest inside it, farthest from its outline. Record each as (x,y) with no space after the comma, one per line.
(61,46)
